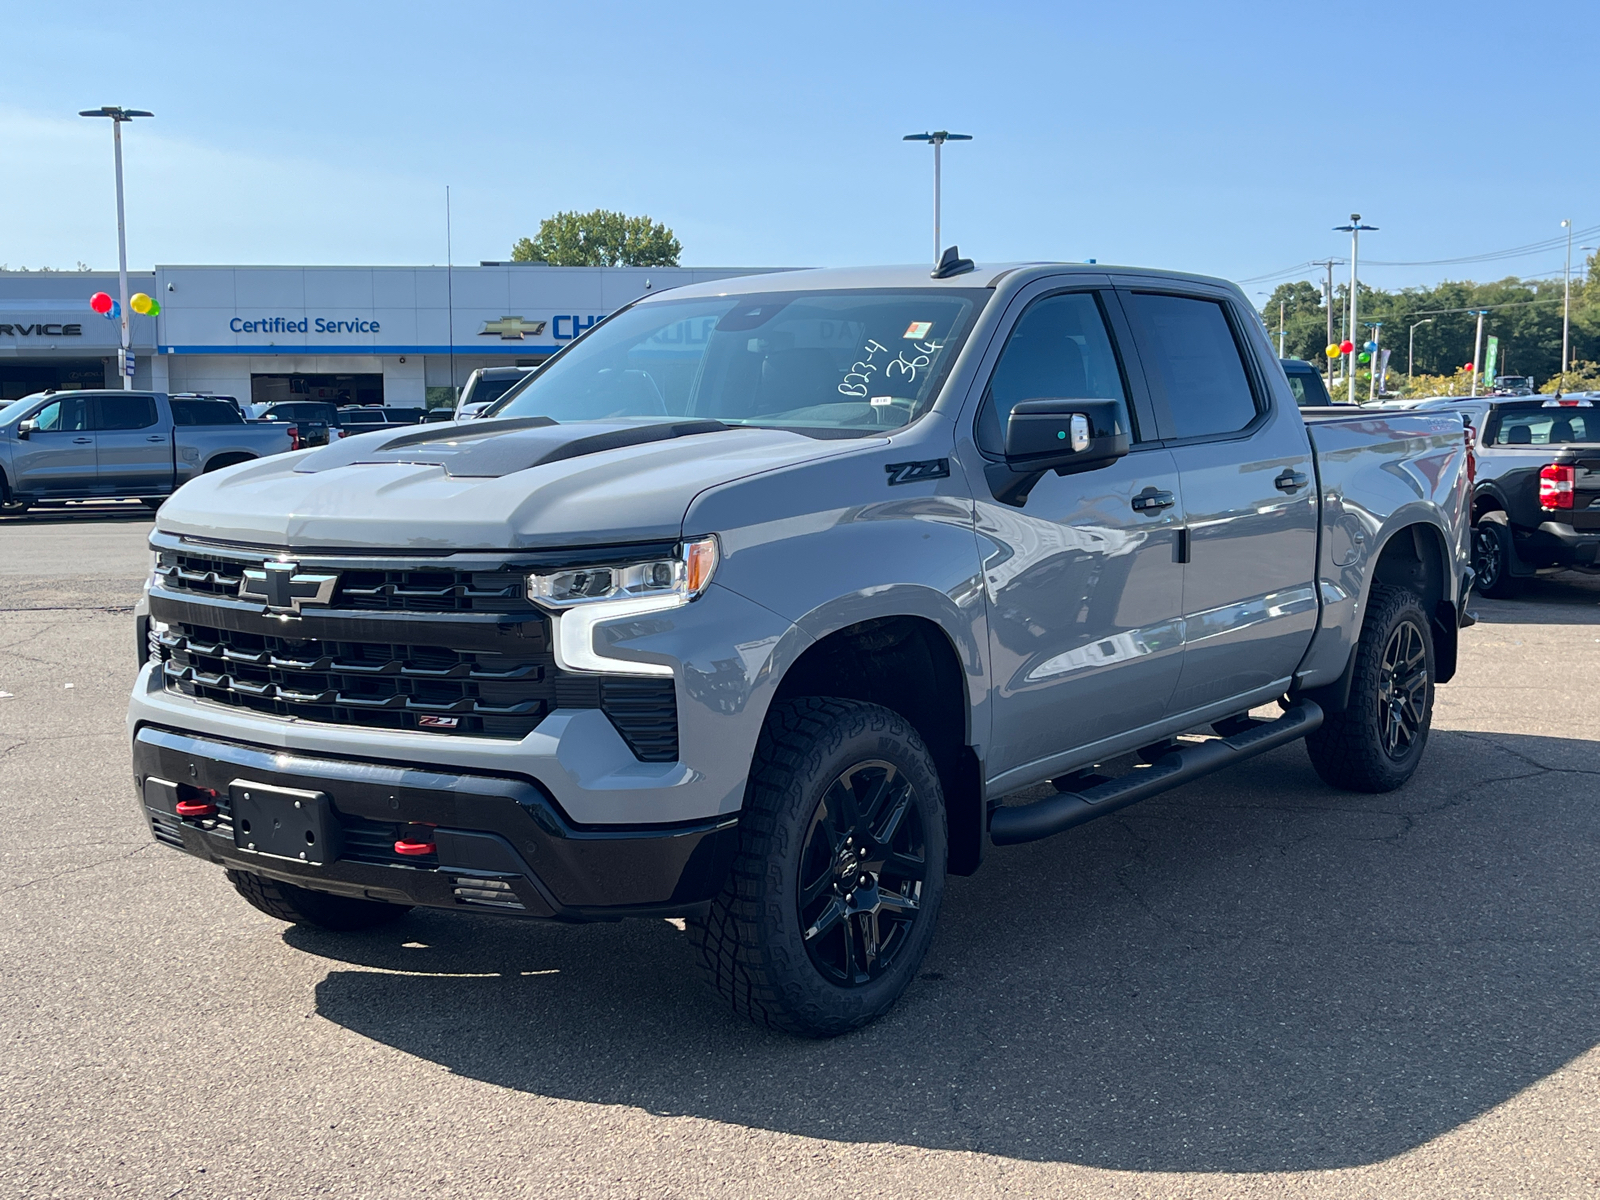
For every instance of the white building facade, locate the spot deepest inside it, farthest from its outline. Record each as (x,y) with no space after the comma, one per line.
(346,334)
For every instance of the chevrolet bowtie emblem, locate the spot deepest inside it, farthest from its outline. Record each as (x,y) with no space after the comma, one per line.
(511,329)
(281,587)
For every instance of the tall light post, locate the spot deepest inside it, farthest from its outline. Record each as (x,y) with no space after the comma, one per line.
(1411,350)
(1566,300)
(937,139)
(1354,229)
(119,116)
(1281,329)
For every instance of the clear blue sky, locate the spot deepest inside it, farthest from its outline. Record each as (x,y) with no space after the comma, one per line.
(1224,138)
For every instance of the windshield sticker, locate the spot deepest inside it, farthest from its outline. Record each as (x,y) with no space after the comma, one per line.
(918,329)
(881,401)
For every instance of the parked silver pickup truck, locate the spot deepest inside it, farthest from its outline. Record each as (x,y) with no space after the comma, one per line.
(759,602)
(86,444)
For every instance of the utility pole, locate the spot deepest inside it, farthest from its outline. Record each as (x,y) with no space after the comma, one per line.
(119,116)
(1477,352)
(1354,229)
(1411,351)
(937,138)
(1566,301)
(1329,264)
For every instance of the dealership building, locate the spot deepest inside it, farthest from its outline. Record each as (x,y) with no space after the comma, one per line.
(352,335)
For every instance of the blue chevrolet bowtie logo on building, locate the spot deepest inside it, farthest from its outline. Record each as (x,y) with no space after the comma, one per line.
(281,587)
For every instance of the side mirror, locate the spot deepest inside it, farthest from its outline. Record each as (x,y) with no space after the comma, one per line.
(24,428)
(1064,436)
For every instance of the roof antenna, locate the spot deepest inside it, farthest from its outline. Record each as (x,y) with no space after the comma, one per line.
(951,263)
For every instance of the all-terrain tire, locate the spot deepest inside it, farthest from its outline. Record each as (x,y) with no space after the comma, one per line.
(302,906)
(1493,556)
(1375,744)
(751,946)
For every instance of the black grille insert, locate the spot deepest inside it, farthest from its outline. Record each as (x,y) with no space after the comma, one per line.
(427,688)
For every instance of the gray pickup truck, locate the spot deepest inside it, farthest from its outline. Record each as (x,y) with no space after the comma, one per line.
(760,604)
(86,444)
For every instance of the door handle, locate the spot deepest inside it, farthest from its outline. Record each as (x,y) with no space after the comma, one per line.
(155,437)
(83,441)
(1290,481)
(1151,501)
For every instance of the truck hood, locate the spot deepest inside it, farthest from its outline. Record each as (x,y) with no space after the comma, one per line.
(511,484)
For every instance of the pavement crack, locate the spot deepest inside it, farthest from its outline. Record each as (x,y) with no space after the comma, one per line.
(99,862)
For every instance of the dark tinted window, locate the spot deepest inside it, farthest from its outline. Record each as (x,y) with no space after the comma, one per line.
(125,412)
(205,412)
(1548,427)
(1193,361)
(70,414)
(1308,388)
(1059,350)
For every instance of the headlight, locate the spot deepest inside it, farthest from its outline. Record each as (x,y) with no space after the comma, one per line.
(680,578)
(582,597)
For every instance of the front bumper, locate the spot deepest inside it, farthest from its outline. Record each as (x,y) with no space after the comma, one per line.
(502,844)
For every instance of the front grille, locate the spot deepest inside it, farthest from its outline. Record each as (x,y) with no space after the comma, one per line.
(434,588)
(430,689)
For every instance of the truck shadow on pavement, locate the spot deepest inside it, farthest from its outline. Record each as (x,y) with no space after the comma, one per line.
(1254,973)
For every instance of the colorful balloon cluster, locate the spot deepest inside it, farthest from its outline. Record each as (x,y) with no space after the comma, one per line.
(108,308)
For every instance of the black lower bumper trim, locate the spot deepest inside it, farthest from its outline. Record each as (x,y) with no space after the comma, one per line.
(500,843)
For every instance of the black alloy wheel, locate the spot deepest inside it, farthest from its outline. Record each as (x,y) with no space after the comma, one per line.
(1491,560)
(861,873)
(1402,690)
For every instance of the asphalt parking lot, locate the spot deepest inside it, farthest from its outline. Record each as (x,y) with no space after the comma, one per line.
(1253,986)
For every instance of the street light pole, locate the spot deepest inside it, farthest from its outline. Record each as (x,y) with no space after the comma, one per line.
(1411,350)
(937,139)
(1354,230)
(118,117)
(1566,301)
(1377,334)
(1281,329)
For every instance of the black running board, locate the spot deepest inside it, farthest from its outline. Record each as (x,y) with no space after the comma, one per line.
(1030,822)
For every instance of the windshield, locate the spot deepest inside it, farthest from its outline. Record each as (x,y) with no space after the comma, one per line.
(17,407)
(855,360)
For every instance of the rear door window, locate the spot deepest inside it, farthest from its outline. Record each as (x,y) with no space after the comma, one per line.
(125,412)
(204,412)
(1193,363)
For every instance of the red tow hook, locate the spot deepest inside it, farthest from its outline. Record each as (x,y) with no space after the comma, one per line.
(195,810)
(414,846)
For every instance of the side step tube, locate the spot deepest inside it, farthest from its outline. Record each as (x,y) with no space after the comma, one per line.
(1030,822)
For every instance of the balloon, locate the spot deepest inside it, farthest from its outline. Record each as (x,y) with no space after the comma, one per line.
(1468,367)
(139,302)
(101,303)
(1333,351)
(1346,347)
(155,308)
(112,313)
(1370,347)
(1363,357)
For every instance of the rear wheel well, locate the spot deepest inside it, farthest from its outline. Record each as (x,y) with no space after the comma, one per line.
(231,459)
(1485,502)
(1414,558)
(907,664)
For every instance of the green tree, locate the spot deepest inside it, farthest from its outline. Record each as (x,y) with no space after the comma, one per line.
(599,239)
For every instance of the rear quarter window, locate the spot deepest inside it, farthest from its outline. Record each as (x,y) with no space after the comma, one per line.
(205,412)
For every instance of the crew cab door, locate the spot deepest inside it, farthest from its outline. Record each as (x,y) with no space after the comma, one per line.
(133,449)
(1084,581)
(1249,494)
(58,456)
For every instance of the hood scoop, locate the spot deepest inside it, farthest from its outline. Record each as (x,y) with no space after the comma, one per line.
(489,449)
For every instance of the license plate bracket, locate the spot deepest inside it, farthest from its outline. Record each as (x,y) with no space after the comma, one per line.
(282,822)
